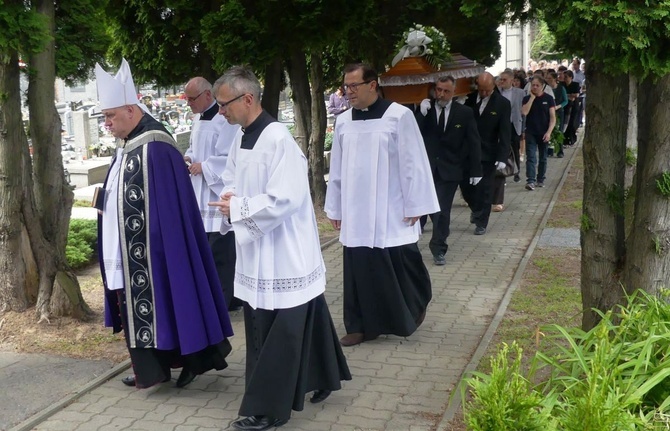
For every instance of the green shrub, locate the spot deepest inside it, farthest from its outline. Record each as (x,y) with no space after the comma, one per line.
(504,400)
(614,377)
(557,138)
(328,143)
(82,240)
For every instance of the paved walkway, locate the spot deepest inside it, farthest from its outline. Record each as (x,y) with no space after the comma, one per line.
(398,383)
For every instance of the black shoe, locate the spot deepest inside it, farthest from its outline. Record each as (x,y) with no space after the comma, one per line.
(517,178)
(559,155)
(352,339)
(258,423)
(479,230)
(130,380)
(319,396)
(185,377)
(439,259)
(472,218)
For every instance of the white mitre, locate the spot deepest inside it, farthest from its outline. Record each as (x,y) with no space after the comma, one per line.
(116,91)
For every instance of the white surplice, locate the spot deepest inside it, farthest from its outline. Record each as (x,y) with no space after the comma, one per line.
(111,237)
(210,145)
(379,175)
(279,263)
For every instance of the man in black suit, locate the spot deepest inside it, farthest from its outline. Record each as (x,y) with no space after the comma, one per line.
(452,143)
(492,113)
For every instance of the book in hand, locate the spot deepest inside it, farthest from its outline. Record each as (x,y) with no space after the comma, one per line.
(98,201)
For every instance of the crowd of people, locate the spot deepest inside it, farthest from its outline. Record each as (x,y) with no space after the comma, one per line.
(512,117)
(230,224)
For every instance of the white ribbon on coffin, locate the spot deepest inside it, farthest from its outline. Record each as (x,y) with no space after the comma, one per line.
(415,46)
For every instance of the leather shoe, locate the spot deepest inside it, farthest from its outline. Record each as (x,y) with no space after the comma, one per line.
(472,218)
(479,230)
(185,377)
(319,396)
(258,423)
(352,339)
(439,259)
(130,380)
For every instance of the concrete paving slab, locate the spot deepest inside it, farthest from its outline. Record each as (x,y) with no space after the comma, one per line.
(560,237)
(32,382)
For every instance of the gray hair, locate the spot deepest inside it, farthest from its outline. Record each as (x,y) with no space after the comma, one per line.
(241,80)
(447,78)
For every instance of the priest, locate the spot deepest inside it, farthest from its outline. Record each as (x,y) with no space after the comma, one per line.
(206,157)
(292,346)
(380,183)
(161,285)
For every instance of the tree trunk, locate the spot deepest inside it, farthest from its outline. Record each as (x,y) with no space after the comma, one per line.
(318,135)
(647,263)
(12,144)
(602,227)
(48,215)
(631,154)
(273,84)
(299,78)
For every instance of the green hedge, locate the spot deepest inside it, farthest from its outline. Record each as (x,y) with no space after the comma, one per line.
(82,240)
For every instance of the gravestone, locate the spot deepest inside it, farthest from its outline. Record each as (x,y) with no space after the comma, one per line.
(82,132)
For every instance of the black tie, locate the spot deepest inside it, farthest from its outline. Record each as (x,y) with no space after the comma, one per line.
(479,106)
(440,121)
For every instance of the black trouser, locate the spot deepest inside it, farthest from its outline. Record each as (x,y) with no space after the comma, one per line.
(499,181)
(573,123)
(560,118)
(498,190)
(446,190)
(582,105)
(479,197)
(223,250)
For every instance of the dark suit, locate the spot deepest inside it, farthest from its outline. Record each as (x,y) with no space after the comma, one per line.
(452,153)
(494,130)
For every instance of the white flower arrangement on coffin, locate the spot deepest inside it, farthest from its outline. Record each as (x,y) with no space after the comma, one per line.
(424,41)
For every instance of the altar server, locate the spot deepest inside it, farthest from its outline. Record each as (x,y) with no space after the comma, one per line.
(206,157)
(280,275)
(380,183)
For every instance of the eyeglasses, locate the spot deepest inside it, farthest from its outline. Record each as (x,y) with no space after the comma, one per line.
(193,99)
(223,105)
(354,87)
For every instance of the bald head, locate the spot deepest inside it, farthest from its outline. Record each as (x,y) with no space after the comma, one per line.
(198,84)
(485,84)
(198,93)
